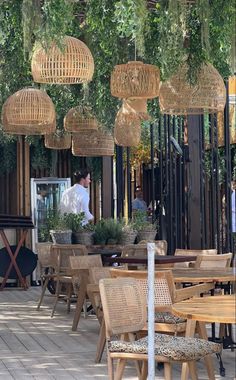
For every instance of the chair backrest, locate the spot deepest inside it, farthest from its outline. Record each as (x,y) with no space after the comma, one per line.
(192,252)
(85,262)
(124,305)
(62,252)
(98,273)
(164,291)
(44,254)
(212,261)
(160,246)
(134,250)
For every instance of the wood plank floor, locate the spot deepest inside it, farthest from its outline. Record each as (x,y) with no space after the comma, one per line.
(35,346)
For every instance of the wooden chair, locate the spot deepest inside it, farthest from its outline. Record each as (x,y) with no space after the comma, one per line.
(46,263)
(124,307)
(213,261)
(165,295)
(80,278)
(95,275)
(192,252)
(63,277)
(160,246)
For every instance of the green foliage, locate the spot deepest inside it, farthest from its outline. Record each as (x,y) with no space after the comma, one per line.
(74,221)
(141,223)
(107,231)
(41,158)
(55,220)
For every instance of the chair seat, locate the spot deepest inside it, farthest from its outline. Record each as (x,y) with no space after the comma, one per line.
(166,317)
(171,347)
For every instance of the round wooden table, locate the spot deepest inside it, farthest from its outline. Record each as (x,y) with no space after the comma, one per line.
(203,275)
(200,310)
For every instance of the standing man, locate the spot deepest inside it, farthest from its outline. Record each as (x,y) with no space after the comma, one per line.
(139,203)
(76,198)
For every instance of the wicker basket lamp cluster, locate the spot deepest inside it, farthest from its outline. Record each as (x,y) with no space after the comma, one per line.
(135,80)
(58,141)
(177,97)
(72,64)
(80,118)
(127,131)
(139,106)
(29,112)
(92,144)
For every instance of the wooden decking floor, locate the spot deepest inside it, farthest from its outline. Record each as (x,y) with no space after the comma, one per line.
(35,346)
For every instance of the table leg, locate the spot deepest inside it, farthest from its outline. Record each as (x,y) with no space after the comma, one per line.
(208,358)
(13,259)
(80,301)
(190,331)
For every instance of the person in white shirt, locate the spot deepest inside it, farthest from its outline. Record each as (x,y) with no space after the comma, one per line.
(76,198)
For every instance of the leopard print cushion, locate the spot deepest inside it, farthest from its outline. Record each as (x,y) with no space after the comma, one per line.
(171,347)
(166,317)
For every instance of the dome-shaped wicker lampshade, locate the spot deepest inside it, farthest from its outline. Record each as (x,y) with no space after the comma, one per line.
(135,80)
(127,131)
(73,64)
(177,97)
(80,118)
(58,141)
(139,106)
(29,112)
(92,144)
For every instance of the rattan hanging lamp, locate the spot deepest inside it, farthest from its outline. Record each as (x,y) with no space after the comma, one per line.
(92,143)
(139,106)
(72,64)
(58,140)
(80,118)
(127,131)
(29,112)
(135,79)
(177,97)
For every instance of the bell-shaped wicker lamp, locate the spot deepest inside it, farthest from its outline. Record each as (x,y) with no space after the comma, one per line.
(135,80)
(92,143)
(177,97)
(80,118)
(72,64)
(29,112)
(139,106)
(127,131)
(58,141)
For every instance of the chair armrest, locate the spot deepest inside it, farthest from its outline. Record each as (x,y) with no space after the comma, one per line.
(191,291)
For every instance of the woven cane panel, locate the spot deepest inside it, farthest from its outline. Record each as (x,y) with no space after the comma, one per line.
(177,97)
(98,273)
(78,119)
(162,295)
(127,131)
(92,144)
(139,106)
(44,254)
(135,80)
(73,64)
(55,141)
(123,305)
(29,111)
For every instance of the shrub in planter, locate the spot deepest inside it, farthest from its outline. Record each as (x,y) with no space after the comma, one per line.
(81,234)
(129,233)
(146,230)
(107,231)
(58,229)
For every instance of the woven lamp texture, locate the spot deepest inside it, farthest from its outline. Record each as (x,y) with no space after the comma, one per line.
(139,106)
(127,131)
(177,97)
(135,80)
(73,64)
(29,112)
(80,118)
(92,144)
(57,141)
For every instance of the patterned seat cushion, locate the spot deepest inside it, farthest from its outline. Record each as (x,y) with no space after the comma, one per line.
(171,347)
(166,317)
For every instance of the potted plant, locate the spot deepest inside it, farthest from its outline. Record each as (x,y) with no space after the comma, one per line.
(108,232)
(58,229)
(146,230)
(129,233)
(81,234)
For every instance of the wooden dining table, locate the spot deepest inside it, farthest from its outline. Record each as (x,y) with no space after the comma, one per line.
(169,259)
(191,275)
(201,310)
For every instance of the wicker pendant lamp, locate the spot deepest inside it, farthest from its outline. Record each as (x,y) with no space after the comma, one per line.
(80,118)
(177,97)
(29,112)
(73,64)
(139,106)
(127,131)
(135,80)
(92,144)
(58,141)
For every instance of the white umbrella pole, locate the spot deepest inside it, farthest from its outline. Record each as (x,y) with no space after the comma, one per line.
(151,310)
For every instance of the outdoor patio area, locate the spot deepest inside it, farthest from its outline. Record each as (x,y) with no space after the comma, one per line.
(35,346)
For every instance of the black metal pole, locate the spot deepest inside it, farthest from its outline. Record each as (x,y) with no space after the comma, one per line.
(119,181)
(129,183)
(152,171)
